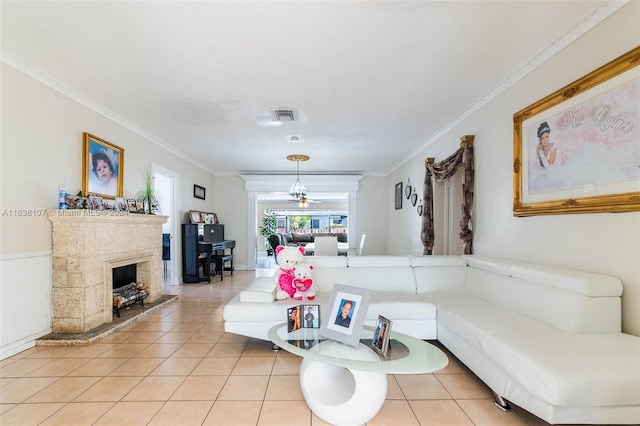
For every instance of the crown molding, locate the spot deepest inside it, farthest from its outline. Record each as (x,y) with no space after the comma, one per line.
(578,30)
(49,81)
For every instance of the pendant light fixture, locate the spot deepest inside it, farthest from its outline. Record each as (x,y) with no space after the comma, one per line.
(298,190)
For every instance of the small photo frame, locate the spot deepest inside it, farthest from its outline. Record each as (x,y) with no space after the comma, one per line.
(215,218)
(199,192)
(96,202)
(76,202)
(121,205)
(195,216)
(381,335)
(293,319)
(310,316)
(207,218)
(398,195)
(347,311)
(132,205)
(109,204)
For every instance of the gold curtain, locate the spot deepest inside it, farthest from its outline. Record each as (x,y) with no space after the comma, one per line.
(442,171)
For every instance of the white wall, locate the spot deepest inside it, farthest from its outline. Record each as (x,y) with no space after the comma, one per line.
(41,147)
(602,243)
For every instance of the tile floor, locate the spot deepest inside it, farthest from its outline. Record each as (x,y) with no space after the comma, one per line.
(178,367)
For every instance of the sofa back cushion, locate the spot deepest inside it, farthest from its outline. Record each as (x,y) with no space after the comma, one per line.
(544,300)
(381,273)
(327,271)
(439,273)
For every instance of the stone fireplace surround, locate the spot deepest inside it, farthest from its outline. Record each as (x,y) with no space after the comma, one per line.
(87,245)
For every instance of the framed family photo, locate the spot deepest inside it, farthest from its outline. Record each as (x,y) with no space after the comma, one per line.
(381,335)
(102,167)
(347,310)
(577,150)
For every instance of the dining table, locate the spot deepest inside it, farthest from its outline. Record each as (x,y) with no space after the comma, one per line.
(343,249)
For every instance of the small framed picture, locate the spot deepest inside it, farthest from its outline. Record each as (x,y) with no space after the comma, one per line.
(195,216)
(381,335)
(109,204)
(121,205)
(215,218)
(96,202)
(207,218)
(199,192)
(293,319)
(132,205)
(310,316)
(347,311)
(398,195)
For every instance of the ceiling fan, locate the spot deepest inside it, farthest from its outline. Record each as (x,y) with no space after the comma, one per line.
(303,202)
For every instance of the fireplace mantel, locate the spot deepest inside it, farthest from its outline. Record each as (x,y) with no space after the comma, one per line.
(87,245)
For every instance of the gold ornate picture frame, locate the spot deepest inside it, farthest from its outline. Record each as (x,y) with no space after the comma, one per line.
(578,149)
(102,167)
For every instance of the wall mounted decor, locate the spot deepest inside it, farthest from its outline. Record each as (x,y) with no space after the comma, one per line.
(577,150)
(414,197)
(102,167)
(408,188)
(199,192)
(398,194)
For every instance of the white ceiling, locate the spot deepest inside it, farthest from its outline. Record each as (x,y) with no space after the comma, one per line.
(373,82)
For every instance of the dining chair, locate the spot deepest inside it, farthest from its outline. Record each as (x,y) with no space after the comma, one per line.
(326,246)
(363,239)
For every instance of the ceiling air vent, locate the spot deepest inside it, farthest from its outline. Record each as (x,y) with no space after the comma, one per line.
(284,114)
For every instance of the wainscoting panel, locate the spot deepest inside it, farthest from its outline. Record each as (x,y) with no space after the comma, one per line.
(25,301)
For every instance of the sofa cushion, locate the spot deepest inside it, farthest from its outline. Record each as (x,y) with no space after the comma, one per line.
(379,261)
(560,368)
(262,290)
(586,283)
(399,306)
(438,260)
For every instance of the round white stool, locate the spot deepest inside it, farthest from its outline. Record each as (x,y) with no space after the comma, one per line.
(338,395)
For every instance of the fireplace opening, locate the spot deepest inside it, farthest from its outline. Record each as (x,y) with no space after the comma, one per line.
(124,275)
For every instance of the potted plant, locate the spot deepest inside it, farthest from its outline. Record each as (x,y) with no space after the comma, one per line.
(148,195)
(269,227)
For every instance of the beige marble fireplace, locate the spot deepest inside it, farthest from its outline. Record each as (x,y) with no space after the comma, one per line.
(87,245)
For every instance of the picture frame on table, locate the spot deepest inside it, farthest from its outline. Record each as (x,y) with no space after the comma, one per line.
(347,310)
(207,218)
(199,192)
(121,205)
(102,167)
(96,202)
(132,205)
(398,195)
(195,216)
(381,335)
(303,316)
(577,149)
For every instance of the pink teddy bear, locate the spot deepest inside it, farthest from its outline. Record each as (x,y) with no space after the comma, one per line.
(303,282)
(288,258)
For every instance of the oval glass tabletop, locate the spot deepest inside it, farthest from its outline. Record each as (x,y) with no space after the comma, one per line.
(406,354)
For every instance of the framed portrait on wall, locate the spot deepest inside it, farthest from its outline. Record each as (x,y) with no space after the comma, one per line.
(102,167)
(577,149)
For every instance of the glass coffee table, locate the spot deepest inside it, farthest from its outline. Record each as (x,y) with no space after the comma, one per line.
(345,385)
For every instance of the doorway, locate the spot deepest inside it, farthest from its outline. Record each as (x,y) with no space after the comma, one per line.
(165,184)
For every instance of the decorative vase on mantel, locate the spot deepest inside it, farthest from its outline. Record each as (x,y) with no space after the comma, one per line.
(148,195)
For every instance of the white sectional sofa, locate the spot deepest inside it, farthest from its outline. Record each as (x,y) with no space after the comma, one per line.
(545,338)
